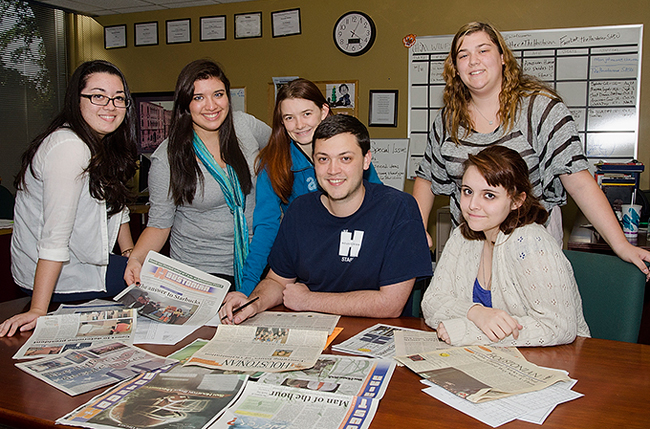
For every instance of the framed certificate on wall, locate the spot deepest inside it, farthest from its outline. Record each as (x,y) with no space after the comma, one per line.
(248,25)
(178,31)
(213,28)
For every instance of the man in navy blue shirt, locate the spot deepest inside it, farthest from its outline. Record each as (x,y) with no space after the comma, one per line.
(354,248)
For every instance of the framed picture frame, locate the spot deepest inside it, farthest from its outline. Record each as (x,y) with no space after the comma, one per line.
(286,22)
(145,33)
(383,108)
(178,31)
(248,25)
(115,36)
(213,28)
(154,112)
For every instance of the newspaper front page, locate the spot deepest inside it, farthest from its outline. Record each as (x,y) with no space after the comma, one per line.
(295,320)
(254,348)
(158,399)
(267,406)
(377,341)
(57,334)
(80,371)
(175,293)
(481,373)
(346,375)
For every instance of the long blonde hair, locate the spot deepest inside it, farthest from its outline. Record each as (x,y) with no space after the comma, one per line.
(515,85)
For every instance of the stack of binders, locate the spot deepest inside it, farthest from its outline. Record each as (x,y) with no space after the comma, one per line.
(619,180)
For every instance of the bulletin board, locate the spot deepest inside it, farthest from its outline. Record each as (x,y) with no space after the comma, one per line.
(596,70)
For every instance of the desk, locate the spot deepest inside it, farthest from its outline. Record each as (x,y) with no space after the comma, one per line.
(614,376)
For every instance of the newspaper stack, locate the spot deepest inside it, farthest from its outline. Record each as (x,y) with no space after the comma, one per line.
(491,384)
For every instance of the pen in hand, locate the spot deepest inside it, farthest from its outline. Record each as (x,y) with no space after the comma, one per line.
(240,308)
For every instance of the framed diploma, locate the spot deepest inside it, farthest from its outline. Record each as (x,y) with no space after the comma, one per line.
(248,25)
(213,28)
(383,109)
(178,31)
(115,36)
(286,22)
(146,33)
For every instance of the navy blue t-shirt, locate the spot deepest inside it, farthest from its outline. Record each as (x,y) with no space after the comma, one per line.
(382,243)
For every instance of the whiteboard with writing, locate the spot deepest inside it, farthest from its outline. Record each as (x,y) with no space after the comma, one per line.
(389,159)
(596,70)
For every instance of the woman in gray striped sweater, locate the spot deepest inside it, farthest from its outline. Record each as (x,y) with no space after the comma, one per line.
(489,101)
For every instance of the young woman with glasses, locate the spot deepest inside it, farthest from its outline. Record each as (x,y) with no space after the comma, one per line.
(71,197)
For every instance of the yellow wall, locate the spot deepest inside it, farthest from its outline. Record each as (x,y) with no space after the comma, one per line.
(252,62)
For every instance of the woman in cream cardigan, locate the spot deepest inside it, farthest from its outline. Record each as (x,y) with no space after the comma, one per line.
(502,278)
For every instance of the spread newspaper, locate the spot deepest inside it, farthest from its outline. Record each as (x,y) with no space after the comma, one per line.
(80,371)
(57,334)
(481,373)
(174,293)
(269,406)
(296,320)
(254,348)
(347,375)
(377,341)
(158,399)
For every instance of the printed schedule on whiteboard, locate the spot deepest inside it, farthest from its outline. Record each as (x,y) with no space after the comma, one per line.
(597,71)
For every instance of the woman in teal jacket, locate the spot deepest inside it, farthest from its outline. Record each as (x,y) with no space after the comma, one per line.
(286,169)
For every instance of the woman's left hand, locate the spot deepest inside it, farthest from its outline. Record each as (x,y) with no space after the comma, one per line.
(23,321)
(636,256)
(495,323)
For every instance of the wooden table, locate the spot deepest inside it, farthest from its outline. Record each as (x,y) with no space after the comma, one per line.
(614,376)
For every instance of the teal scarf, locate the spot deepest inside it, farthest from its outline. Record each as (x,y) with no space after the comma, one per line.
(236,200)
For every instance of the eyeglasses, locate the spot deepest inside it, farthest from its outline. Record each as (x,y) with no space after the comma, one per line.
(102,100)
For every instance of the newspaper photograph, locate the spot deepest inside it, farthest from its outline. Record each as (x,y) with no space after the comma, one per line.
(377,341)
(295,320)
(58,334)
(255,348)
(174,293)
(169,400)
(345,375)
(481,373)
(267,406)
(80,371)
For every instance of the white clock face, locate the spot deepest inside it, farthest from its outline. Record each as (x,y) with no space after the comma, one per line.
(354,33)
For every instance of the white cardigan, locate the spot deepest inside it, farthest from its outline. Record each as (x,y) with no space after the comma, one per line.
(532,281)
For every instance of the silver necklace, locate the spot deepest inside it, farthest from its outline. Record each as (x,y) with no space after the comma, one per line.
(479,112)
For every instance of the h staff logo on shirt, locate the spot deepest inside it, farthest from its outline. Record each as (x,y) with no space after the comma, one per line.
(350,245)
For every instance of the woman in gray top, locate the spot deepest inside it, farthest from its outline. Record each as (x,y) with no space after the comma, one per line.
(489,101)
(201,186)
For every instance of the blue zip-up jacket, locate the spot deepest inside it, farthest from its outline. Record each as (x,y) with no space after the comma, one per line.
(269,210)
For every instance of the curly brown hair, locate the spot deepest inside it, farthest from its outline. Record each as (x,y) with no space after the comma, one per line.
(502,166)
(515,84)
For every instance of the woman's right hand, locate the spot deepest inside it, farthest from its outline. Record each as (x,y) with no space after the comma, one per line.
(497,324)
(232,301)
(132,271)
(24,321)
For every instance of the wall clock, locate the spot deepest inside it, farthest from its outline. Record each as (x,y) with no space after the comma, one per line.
(354,33)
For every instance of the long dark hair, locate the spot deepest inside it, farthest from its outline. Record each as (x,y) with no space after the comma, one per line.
(276,157)
(184,168)
(502,166)
(112,158)
(514,86)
